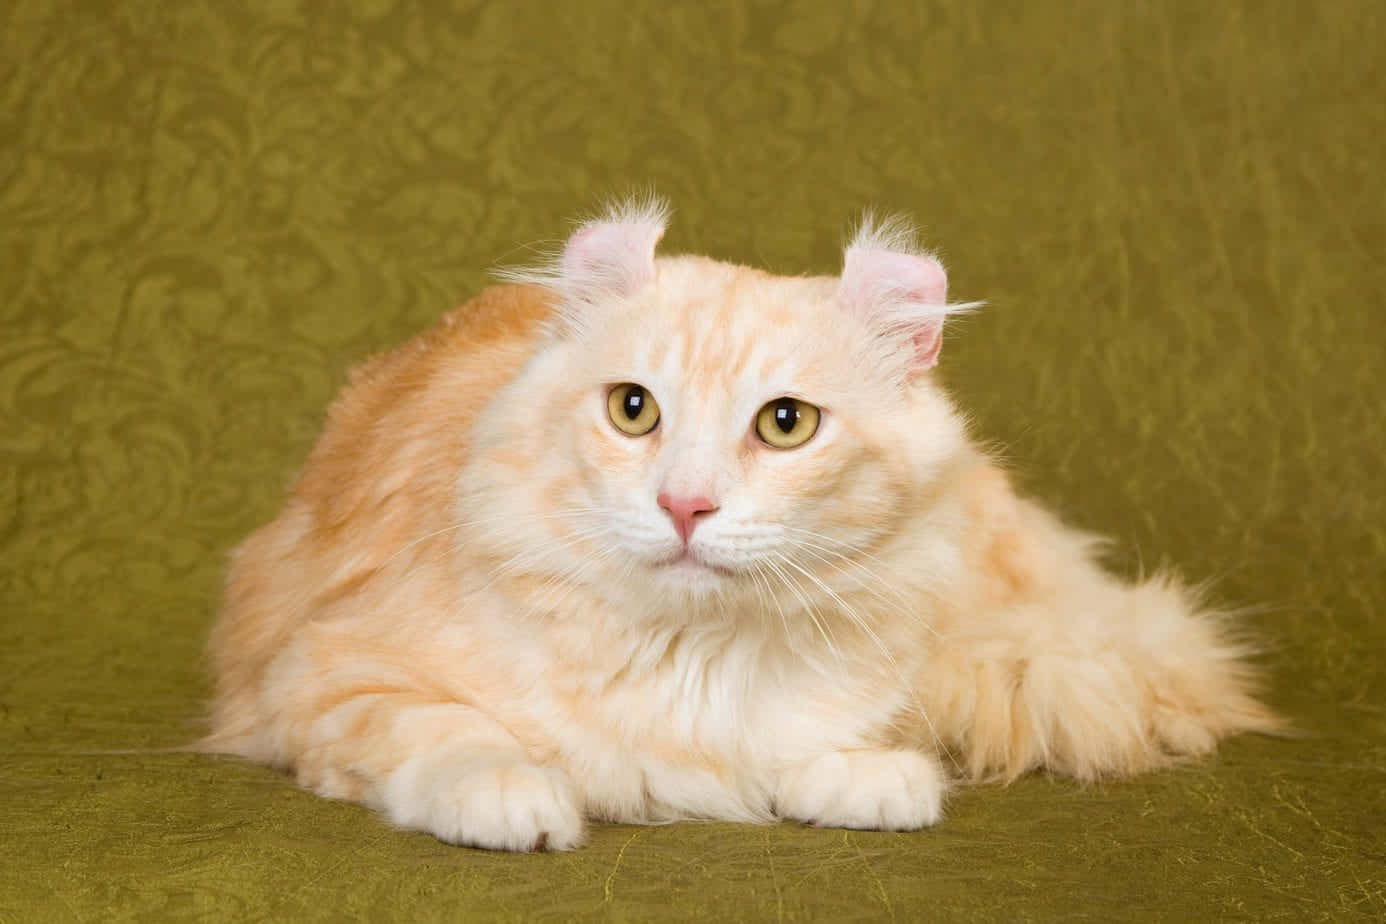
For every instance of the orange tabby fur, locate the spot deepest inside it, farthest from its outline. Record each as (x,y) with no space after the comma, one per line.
(441,624)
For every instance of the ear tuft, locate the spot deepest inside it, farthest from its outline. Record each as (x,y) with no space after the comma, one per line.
(607,257)
(897,288)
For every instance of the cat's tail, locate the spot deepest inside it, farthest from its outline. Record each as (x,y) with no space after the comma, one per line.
(1103,679)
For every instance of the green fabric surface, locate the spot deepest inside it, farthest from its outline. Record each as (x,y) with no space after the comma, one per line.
(209,211)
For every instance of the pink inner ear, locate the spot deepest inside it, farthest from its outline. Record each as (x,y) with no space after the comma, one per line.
(611,255)
(876,282)
(928,343)
(878,274)
(576,252)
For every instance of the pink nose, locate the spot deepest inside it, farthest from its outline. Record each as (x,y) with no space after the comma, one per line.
(685,511)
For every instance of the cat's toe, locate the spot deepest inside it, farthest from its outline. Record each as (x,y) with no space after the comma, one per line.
(898,790)
(516,807)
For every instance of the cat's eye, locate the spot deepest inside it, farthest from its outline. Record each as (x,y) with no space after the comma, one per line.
(787,423)
(632,409)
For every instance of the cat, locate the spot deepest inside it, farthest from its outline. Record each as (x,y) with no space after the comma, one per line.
(643,538)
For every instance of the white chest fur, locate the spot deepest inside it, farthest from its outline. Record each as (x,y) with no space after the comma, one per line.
(662,723)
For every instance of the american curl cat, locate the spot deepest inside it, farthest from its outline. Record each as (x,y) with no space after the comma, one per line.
(644,538)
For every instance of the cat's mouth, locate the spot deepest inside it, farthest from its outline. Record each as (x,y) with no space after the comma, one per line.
(689,562)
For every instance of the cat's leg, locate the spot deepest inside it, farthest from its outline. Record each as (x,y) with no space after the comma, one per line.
(884,790)
(474,785)
(427,763)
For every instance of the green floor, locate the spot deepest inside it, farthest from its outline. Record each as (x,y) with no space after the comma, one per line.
(209,210)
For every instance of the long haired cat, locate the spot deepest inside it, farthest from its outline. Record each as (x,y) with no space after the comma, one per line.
(645,538)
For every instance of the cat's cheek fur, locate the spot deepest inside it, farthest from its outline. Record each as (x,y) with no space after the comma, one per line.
(874,790)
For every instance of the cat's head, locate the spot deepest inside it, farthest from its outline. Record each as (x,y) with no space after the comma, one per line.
(693,430)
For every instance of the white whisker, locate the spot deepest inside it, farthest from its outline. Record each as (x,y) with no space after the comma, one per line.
(894,602)
(860,622)
(828,638)
(583,511)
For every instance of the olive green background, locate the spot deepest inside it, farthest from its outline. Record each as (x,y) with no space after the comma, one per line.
(209,210)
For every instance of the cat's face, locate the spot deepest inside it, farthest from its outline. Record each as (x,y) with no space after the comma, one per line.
(716,433)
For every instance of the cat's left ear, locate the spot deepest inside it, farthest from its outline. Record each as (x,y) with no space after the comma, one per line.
(898,289)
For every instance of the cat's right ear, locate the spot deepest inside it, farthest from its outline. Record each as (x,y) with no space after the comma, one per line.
(614,255)
(606,258)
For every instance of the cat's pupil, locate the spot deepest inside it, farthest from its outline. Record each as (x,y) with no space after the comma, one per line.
(634,403)
(786,414)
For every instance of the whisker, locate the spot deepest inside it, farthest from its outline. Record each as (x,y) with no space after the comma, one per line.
(529,557)
(829,638)
(576,512)
(567,580)
(896,602)
(860,622)
(852,548)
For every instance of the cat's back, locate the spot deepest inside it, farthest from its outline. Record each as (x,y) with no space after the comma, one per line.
(406,414)
(380,476)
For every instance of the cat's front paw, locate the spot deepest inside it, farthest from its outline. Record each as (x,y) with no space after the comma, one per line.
(898,790)
(511,806)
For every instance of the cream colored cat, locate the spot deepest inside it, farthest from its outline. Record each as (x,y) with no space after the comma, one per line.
(649,538)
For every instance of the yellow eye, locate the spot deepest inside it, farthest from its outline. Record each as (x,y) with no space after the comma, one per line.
(787,423)
(632,409)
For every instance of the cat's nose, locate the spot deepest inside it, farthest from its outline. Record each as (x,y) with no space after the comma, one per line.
(685,511)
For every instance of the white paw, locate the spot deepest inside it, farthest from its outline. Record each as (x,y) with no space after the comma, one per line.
(507,806)
(875,790)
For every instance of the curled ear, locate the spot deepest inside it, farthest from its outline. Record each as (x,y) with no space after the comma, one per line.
(899,290)
(609,257)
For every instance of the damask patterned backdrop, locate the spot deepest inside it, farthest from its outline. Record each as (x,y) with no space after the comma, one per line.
(209,210)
